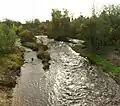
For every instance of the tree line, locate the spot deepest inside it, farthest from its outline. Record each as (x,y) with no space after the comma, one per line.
(100,30)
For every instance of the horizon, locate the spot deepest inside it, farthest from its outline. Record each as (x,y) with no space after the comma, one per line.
(26,10)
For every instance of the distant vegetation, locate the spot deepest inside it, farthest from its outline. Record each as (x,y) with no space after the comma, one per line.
(100,31)
(7,38)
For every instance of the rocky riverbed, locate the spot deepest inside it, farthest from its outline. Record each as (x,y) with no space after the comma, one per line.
(77,82)
(70,80)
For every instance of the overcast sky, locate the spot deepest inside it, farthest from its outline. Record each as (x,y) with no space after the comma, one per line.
(22,10)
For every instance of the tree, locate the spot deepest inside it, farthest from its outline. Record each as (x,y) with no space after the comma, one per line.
(60,24)
(7,38)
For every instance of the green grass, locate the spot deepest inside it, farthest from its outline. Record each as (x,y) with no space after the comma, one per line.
(99,60)
(11,61)
(104,63)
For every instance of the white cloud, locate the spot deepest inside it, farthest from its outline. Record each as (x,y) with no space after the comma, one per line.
(28,9)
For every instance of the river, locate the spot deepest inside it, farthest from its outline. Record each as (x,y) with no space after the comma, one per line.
(70,81)
(30,90)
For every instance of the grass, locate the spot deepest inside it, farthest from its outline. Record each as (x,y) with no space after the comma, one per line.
(11,61)
(98,60)
(104,63)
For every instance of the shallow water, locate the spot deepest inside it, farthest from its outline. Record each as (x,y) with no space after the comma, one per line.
(70,81)
(31,90)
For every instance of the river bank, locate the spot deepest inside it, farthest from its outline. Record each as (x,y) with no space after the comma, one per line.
(77,82)
(108,60)
(10,67)
(71,80)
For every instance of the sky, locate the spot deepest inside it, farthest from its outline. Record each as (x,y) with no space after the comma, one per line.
(23,10)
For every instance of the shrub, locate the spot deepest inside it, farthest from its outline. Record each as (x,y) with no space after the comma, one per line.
(7,38)
(27,36)
(12,61)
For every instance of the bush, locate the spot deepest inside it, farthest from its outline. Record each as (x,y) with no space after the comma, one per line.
(13,65)
(7,38)
(27,36)
(60,25)
(12,61)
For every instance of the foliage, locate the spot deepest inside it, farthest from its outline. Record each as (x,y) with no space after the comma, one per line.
(17,29)
(106,65)
(99,60)
(27,36)
(7,38)
(100,30)
(33,26)
(12,60)
(60,24)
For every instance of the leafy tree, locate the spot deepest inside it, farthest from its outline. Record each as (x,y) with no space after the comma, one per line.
(60,24)
(7,38)
(27,36)
(100,30)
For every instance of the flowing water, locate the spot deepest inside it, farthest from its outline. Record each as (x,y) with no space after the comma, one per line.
(70,81)
(31,90)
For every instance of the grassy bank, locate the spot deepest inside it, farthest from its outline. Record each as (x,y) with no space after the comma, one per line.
(13,60)
(101,60)
(9,68)
(10,65)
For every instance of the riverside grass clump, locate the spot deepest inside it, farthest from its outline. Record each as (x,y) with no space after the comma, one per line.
(98,60)
(101,61)
(28,40)
(10,67)
(11,57)
(27,36)
(12,61)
